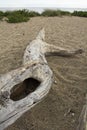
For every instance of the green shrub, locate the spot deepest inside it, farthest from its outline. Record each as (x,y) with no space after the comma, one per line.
(19,15)
(16,18)
(80,13)
(52,13)
(16,12)
(23,12)
(7,13)
(33,14)
(1,15)
(67,13)
(24,15)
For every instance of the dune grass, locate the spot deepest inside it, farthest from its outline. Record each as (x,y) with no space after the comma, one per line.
(24,15)
(18,16)
(80,13)
(52,13)
(1,15)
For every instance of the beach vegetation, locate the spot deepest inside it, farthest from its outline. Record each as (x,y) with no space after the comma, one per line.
(52,13)
(20,15)
(24,15)
(80,13)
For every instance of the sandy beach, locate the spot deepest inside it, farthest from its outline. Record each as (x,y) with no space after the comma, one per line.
(61,108)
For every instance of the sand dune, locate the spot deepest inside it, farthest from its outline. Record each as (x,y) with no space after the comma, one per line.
(70,73)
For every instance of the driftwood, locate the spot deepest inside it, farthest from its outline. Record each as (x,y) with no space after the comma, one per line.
(23,88)
(82,123)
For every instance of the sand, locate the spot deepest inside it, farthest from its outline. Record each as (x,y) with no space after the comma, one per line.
(61,108)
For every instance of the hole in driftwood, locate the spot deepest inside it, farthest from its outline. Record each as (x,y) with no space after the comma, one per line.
(21,90)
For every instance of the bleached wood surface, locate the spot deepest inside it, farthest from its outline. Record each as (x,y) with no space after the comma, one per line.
(82,123)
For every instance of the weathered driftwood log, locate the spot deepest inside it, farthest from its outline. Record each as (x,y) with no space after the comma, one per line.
(23,88)
(82,124)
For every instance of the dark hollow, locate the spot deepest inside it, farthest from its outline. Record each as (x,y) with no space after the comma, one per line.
(23,89)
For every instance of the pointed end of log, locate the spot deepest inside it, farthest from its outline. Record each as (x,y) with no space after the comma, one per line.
(41,35)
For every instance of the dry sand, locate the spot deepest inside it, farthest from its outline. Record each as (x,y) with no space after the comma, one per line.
(70,73)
